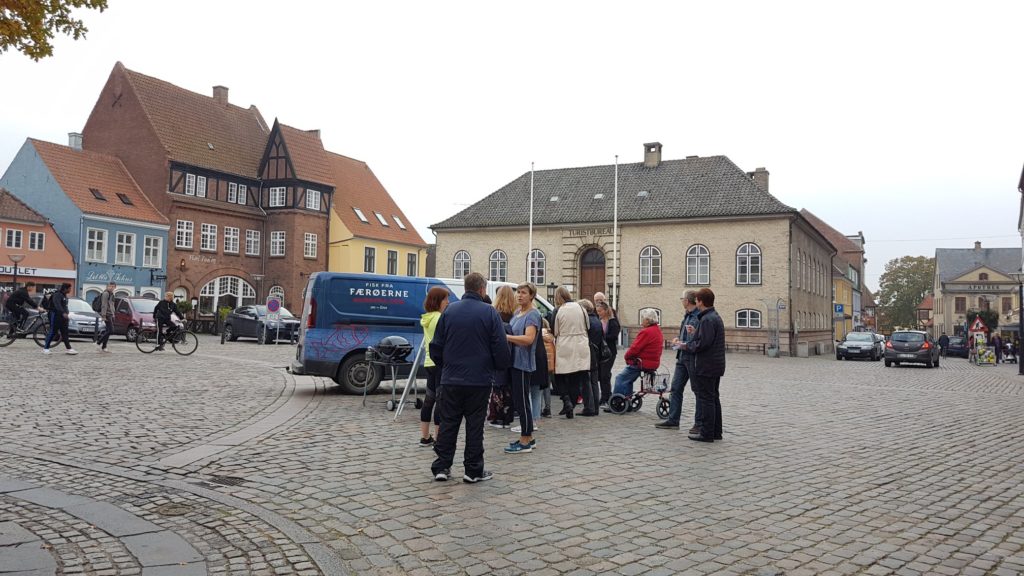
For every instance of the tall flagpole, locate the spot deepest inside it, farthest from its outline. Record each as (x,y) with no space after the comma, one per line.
(529,250)
(615,240)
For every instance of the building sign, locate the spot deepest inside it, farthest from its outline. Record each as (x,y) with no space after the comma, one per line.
(979,287)
(96,276)
(581,232)
(38,272)
(202,258)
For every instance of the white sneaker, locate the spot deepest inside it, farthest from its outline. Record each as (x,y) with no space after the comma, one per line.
(104,351)
(516,429)
(46,351)
(71,351)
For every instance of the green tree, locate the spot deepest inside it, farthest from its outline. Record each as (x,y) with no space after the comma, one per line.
(989,317)
(902,286)
(29,25)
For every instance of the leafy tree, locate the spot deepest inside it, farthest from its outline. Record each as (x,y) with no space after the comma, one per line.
(989,317)
(902,286)
(29,25)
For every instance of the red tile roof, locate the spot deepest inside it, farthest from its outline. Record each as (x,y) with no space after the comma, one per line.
(846,249)
(307,154)
(356,186)
(13,209)
(78,171)
(196,130)
(928,303)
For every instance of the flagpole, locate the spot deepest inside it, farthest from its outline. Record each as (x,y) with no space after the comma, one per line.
(615,240)
(529,250)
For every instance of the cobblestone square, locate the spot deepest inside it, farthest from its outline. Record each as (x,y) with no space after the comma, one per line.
(223,463)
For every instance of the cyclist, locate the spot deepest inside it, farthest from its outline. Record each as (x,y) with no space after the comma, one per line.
(16,305)
(163,316)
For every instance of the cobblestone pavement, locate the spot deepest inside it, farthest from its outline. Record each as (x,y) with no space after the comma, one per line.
(827,467)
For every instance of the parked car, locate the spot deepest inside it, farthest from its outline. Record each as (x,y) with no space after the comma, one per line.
(133,314)
(957,347)
(249,322)
(911,346)
(82,321)
(860,345)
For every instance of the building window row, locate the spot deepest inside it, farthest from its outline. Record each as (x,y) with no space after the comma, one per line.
(124,248)
(370,262)
(185,230)
(13,238)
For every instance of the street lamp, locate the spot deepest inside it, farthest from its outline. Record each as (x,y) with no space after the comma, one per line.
(15,258)
(1019,277)
(551,291)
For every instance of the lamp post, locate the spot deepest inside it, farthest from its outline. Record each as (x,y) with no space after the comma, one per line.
(259,281)
(15,258)
(551,291)
(1019,277)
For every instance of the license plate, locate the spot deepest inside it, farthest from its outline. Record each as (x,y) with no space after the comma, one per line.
(911,356)
(857,350)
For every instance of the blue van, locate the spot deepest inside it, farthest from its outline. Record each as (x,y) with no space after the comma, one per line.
(345,313)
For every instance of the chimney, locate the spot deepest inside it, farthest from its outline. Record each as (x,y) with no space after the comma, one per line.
(220,95)
(652,154)
(315,132)
(760,177)
(977,245)
(75,140)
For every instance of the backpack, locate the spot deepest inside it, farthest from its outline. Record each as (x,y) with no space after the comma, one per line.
(47,302)
(97,303)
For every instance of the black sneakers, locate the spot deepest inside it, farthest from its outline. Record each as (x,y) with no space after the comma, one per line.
(666,425)
(425,442)
(483,477)
(443,475)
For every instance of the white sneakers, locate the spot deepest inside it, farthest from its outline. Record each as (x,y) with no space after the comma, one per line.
(71,351)
(46,351)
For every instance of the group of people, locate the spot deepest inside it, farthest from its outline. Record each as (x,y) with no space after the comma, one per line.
(489,361)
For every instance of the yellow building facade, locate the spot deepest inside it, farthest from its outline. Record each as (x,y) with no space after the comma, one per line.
(842,294)
(349,253)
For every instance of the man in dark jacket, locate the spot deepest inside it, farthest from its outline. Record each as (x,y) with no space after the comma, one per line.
(684,366)
(59,319)
(943,344)
(708,348)
(16,305)
(469,345)
(162,314)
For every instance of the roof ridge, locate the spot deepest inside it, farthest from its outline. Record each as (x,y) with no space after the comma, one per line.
(142,102)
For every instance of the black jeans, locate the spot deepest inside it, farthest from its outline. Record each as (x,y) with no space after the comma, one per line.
(456,403)
(427,412)
(592,389)
(709,407)
(604,375)
(19,315)
(521,399)
(108,328)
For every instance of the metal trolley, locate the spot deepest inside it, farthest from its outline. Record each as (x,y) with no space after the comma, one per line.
(651,382)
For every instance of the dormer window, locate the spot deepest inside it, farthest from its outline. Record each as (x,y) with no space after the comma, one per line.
(97,194)
(277,197)
(125,199)
(599,196)
(381,219)
(399,222)
(190,184)
(362,216)
(554,198)
(643,194)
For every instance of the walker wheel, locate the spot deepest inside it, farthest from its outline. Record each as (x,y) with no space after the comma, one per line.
(419,403)
(390,405)
(617,403)
(636,403)
(662,408)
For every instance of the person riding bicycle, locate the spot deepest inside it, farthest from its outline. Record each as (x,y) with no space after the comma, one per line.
(163,316)
(17,302)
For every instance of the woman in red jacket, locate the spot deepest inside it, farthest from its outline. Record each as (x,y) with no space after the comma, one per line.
(643,354)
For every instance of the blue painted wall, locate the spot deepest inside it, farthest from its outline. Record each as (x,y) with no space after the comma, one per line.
(30,181)
(133,275)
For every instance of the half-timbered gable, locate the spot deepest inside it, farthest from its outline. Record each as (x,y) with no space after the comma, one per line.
(296,171)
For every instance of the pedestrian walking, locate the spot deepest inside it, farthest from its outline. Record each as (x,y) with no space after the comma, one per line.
(59,320)
(572,349)
(435,303)
(997,343)
(526,326)
(107,315)
(592,385)
(610,327)
(469,346)
(684,366)
(708,348)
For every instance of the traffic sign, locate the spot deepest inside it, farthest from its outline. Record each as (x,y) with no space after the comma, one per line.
(273,309)
(839,308)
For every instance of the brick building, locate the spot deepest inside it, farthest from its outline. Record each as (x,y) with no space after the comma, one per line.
(683,224)
(248,203)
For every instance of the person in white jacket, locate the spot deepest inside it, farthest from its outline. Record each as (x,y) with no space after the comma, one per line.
(572,349)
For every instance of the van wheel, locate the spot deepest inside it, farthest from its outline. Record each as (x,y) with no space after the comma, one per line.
(355,374)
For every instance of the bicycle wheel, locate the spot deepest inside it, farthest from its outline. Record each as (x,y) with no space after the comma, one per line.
(8,334)
(185,343)
(146,341)
(39,335)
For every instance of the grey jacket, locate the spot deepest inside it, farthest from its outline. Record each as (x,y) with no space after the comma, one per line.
(106,303)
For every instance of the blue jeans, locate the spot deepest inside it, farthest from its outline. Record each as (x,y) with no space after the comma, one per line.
(624,381)
(675,399)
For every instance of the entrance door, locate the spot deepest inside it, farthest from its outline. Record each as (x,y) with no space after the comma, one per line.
(592,273)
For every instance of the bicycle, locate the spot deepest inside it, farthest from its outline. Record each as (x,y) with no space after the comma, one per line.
(37,326)
(183,341)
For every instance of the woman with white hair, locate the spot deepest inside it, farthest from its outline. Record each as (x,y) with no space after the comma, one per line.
(572,349)
(643,354)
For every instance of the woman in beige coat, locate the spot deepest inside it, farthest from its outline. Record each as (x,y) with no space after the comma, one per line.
(572,349)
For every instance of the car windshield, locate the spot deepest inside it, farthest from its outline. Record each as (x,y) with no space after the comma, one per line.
(78,305)
(262,311)
(860,337)
(144,305)
(908,337)
(956,341)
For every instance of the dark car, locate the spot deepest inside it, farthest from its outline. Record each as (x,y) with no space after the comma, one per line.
(859,345)
(957,347)
(133,314)
(913,347)
(249,322)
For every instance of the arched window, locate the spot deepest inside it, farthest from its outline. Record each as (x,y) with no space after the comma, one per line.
(748,264)
(650,266)
(498,269)
(277,292)
(462,262)
(226,291)
(748,318)
(536,265)
(698,265)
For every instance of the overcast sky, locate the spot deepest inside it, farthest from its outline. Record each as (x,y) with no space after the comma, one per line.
(899,119)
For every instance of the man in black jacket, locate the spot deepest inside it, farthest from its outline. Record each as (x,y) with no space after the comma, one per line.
(162,314)
(469,345)
(708,349)
(59,319)
(16,305)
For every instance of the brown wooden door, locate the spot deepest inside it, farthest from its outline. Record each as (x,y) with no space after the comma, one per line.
(592,277)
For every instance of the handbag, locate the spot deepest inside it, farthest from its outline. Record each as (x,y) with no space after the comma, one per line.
(605,353)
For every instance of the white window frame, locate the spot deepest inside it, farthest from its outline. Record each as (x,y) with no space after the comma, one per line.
(748,265)
(698,265)
(359,213)
(380,218)
(277,243)
(12,235)
(369,255)
(37,241)
(152,251)
(276,291)
(537,267)
(461,264)
(278,196)
(190,184)
(497,266)
(208,237)
(124,249)
(309,245)
(650,266)
(233,192)
(231,237)
(201,186)
(95,248)
(184,233)
(748,318)
(243,194)
(252,242)
(398,221)
(312,199)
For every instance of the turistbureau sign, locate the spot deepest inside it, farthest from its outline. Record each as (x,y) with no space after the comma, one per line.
(580,232)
